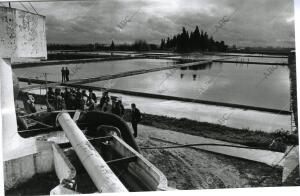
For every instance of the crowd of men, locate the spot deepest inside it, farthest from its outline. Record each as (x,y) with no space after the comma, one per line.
(76,99)
(71,99)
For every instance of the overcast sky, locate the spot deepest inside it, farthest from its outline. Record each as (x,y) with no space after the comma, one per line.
(252,22)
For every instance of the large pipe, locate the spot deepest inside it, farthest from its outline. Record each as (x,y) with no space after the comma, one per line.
(102,176)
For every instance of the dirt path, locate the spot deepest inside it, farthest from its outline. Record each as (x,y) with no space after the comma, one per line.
(187,168)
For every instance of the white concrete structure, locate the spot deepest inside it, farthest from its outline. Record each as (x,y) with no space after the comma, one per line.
(22,35)
(103,177)
(11,139)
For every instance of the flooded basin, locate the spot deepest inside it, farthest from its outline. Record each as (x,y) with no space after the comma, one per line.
(86,70)
(252,85)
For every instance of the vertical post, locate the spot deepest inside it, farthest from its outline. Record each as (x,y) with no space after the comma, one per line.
(46,88)
(10,136)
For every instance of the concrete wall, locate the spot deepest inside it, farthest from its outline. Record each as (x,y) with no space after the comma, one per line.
(22,34)
(20,170)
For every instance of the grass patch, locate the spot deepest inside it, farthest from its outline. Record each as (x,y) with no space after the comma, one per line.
(247,137)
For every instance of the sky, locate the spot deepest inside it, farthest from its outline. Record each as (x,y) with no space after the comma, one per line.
(247,23)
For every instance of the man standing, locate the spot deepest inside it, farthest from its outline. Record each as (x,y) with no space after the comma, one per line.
(63,75)
(67,74)
(135,118)
(28,102)
(92,95)
(104,101)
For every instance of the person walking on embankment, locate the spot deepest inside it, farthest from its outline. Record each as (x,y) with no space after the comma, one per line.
(136,117)
(67,74)
(63,75)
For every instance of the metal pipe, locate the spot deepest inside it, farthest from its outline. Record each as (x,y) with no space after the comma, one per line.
(102,176)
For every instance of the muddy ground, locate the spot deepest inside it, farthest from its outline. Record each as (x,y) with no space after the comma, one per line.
(188,169)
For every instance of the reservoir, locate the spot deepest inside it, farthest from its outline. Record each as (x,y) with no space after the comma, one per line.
(253,85)
(266,86)
(87,70)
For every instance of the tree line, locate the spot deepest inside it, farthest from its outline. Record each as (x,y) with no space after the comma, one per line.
(138,45)
(194,41)
(182,42)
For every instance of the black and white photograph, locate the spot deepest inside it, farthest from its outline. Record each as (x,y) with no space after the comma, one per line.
(115,96)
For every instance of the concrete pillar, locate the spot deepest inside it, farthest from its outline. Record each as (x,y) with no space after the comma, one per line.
(102,176)
(10,137)
(22,35)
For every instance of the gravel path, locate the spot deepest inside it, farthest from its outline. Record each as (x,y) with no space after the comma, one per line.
(187,168)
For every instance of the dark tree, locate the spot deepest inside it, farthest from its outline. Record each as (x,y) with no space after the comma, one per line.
(140,45)
(112,46)
(162,44)
(195,41)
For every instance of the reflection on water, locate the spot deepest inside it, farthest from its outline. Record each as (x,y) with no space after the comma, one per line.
(220,82)
(262,59)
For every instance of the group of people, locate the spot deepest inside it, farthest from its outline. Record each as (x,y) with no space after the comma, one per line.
(65,72)
(76,99)
(70,99)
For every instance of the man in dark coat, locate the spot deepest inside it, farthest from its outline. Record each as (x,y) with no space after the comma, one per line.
(104,101)
(67,74)
(78,97)
(92,95)
(118,109)
(63,74)
(136,117)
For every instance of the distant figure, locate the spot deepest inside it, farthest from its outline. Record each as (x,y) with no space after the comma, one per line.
(113,104)
(71,103)
(91,105)
(51,95)
(83,103)
(78,97)
(59,102)
(28,102)
(118,108)
(92,95)
(66,94)
(67,74)
(50,107)
(58,99)
(194,77)
(84,94)
(104,101)
(136,117)
(63,75)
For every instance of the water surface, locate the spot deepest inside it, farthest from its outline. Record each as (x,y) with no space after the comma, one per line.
(94,69)
(253,85)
